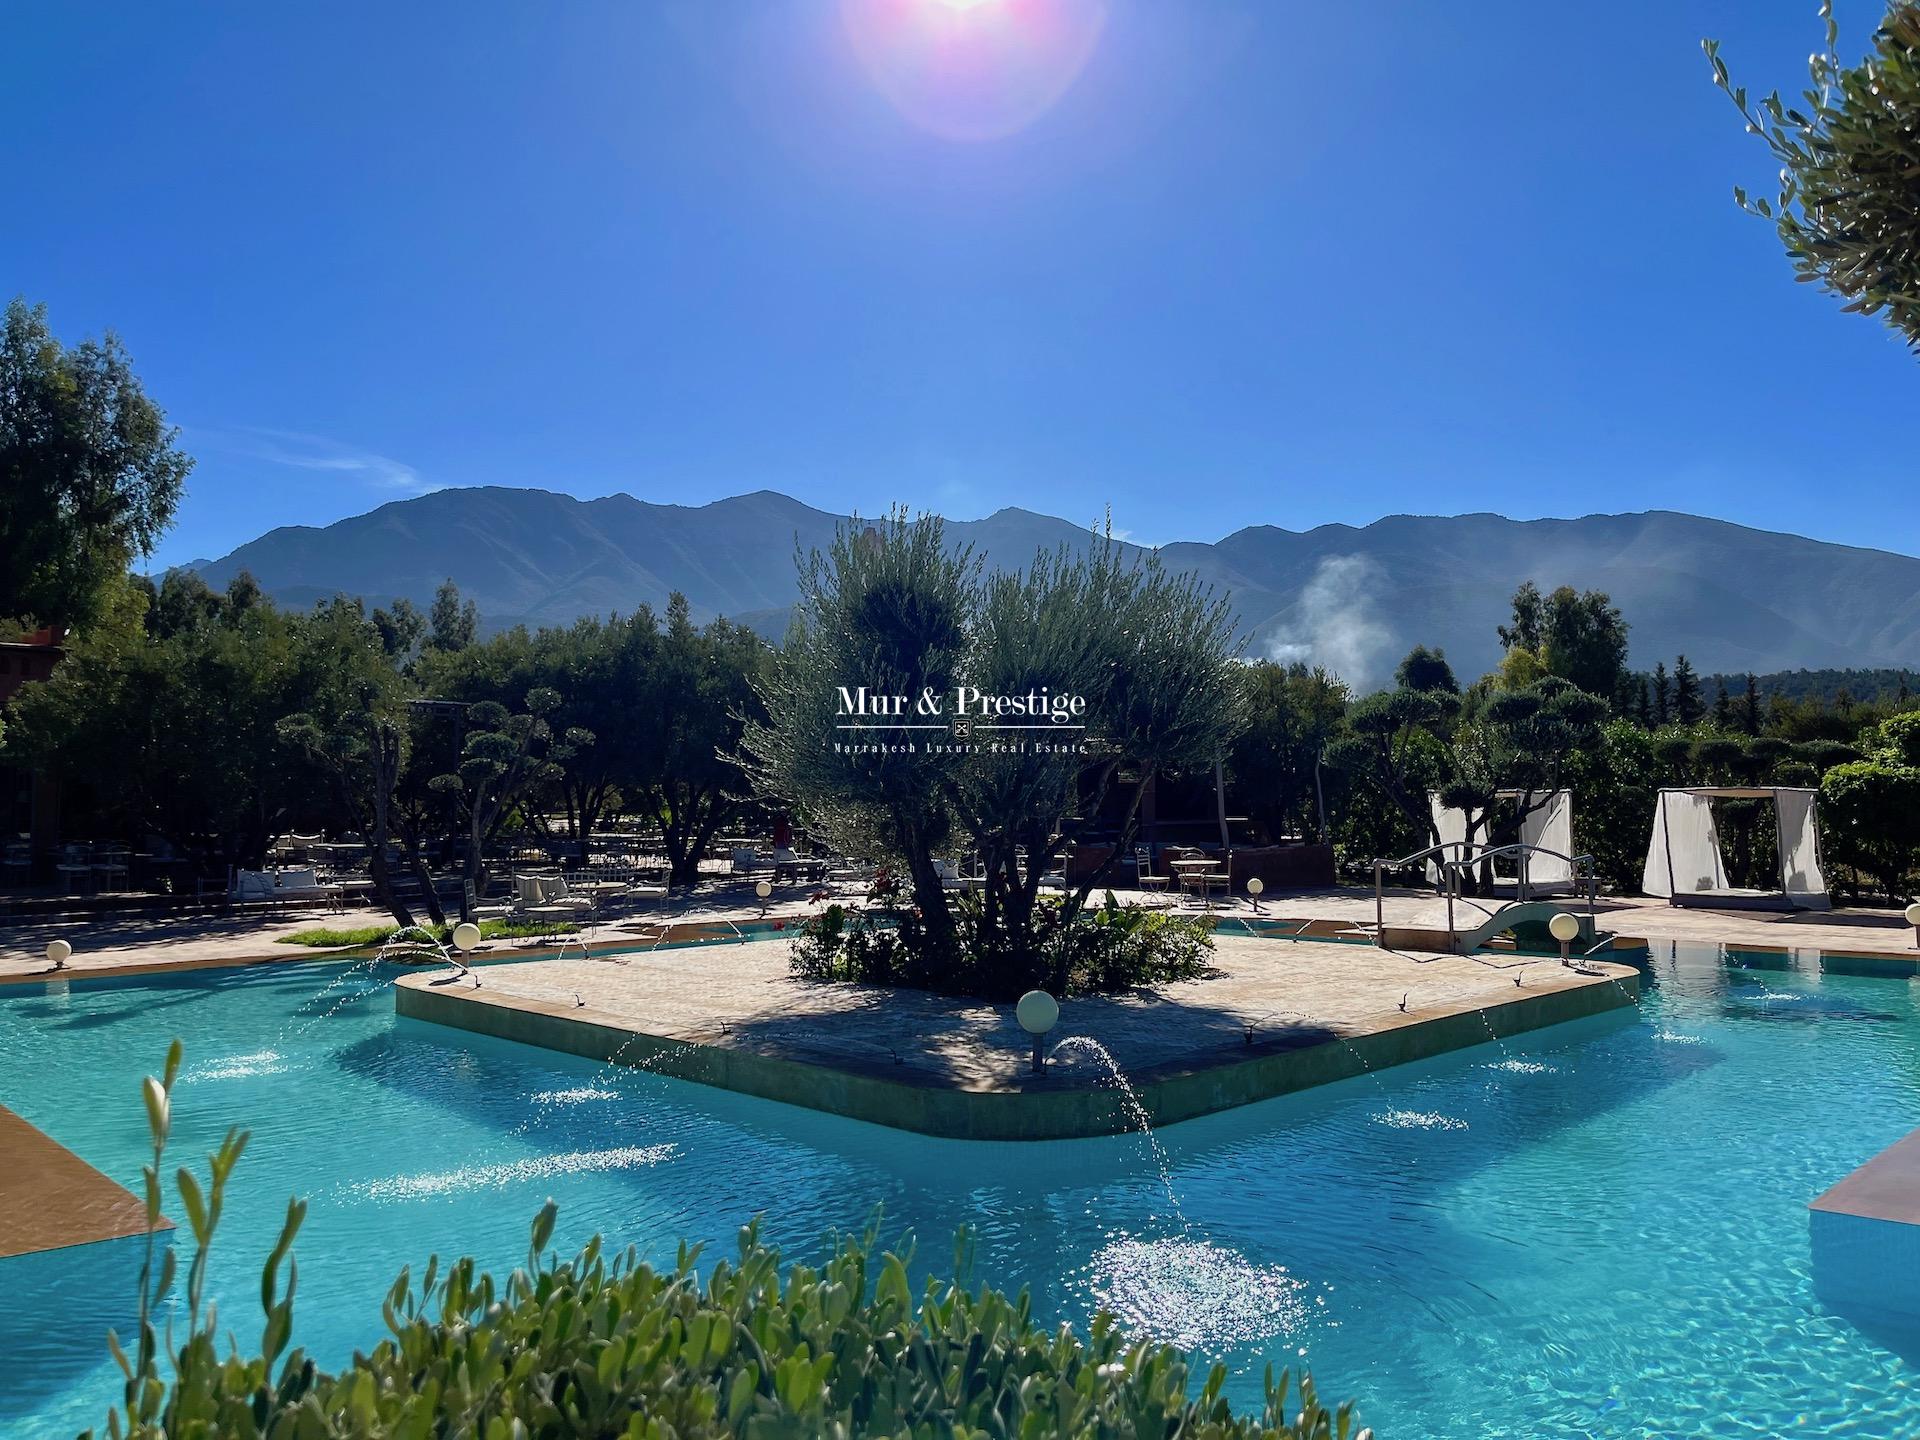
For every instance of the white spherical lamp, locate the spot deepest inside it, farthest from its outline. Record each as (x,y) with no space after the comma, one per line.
(763,890)
(466,935)
(1038,1012)
(1563,927)
(1255,888)
(58,953)
(1913,919)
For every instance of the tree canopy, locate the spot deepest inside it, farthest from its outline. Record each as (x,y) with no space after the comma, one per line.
(89,471)
(1580,636)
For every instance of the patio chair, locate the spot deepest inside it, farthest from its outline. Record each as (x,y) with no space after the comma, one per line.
(1146,880)
(1056,875)
(251,887)
(546,900)
(949,874)
(560,891)
(485,909)
(291,886)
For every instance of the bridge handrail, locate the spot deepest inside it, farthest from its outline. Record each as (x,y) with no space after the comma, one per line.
(1584,868)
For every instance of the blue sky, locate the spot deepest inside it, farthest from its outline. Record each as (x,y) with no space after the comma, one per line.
(1213,263)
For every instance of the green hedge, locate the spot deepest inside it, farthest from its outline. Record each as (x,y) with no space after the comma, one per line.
(1103,949)
(597,1346)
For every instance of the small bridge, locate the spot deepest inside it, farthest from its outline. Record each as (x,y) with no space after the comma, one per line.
(1518,924)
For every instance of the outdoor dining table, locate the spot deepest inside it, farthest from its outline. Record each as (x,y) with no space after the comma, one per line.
(1197,875)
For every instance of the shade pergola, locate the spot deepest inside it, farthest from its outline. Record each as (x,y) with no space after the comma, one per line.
(1685,865)
(1548,825)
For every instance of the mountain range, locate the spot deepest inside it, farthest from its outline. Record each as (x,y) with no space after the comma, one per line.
(1729,597)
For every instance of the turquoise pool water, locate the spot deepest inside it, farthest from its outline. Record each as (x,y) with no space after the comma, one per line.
(1598,1231)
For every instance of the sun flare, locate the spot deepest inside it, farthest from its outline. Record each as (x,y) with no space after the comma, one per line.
(973,69)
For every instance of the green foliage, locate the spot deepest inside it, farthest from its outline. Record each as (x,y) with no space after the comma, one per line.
(1614,784)
(1151,653)
(664,705)
(887,607)
(165,716)
(601,1347)
(1579,636)
(1870,811)
(89,473)
(1895,740)
(1894,687)
(1103,950)
(1688,707)
(1122,947)
(892,610)
(1292,715)
(1425,669)
(452,624)
(1848,211)
(1407,743)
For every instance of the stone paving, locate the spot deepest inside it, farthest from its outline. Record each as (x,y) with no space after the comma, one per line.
(144,943)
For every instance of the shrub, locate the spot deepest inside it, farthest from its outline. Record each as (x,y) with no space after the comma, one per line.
(1110,948)
(1870,813)
(610,1347)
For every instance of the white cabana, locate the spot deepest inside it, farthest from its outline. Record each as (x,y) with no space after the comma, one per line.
(1547,825)
(1684,862)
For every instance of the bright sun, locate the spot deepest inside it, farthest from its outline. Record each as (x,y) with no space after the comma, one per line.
(973,69)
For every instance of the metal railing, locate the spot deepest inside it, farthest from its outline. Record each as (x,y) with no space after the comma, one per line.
(1472,857)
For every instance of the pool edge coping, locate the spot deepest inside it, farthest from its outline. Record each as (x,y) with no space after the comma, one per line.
(1182,1088)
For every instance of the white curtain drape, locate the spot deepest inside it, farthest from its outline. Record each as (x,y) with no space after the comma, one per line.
(1452,825)
(1800,876)
(1684,854)
(1551,828)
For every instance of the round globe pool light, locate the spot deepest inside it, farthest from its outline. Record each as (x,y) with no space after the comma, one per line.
(466,935)
(58,953)
(1565,928)
(1255,885)
(1038,1012)
(1913,919)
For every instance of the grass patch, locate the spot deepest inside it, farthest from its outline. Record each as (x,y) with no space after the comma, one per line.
(366,935)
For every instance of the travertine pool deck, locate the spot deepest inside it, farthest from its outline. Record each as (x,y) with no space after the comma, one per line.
(133,945)
(50,1198)
(1277,1016)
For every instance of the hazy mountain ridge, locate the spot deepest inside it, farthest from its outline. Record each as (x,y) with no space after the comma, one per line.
(1732,598)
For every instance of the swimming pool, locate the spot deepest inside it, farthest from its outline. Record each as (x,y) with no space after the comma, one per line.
(1599,1229)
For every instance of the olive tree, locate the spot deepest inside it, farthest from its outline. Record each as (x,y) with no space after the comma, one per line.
(886,608)
(1848,207)
(1150,654)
